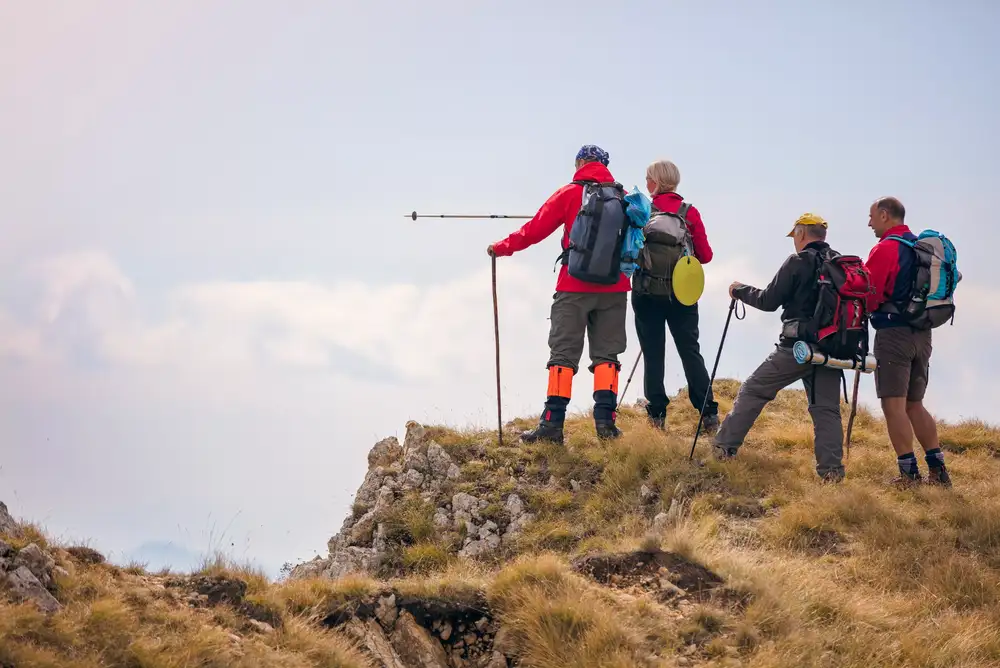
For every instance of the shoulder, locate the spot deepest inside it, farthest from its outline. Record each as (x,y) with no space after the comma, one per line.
(692,214)
(565,194)
(885,248)
(802,261)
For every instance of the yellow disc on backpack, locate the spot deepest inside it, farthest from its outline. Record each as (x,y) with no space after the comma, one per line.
(688,280)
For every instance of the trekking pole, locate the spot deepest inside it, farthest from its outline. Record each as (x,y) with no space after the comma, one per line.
(415,215)
(496,338)
(701,416)
(854,410)
(621,397)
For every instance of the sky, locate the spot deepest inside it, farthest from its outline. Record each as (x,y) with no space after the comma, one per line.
(212,302)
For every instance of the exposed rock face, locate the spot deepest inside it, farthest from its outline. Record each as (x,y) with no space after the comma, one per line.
(384,453)
(371,638)
(25,586)
(518,518)
(413,641)
(7,524)
(418,469)
(399,631)
(28,574)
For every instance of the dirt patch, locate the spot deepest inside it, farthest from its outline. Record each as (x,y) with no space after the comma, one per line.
(745,507)
(219,589)
(665,574)
(820,541)
(207,591)
(425,611)
(85,555)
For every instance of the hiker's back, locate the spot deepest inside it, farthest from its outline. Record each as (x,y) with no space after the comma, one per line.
(596,235)
(826,305)
(667,240)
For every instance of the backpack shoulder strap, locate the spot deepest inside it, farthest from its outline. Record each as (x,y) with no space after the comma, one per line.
(683,211)
(896,237)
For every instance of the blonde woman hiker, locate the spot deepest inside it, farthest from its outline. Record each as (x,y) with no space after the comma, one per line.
(655,306)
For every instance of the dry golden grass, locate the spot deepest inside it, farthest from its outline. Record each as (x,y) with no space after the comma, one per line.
(855,574)
(113,621)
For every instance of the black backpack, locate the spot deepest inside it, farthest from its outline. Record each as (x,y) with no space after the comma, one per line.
(594,253)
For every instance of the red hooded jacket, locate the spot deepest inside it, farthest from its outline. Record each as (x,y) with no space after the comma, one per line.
(671,203)
(561,209)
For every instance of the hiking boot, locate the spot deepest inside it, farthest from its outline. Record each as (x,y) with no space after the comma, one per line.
(607,430)
(545,431)
(903,481)
(710,424)
(659,423)
(938,475)
(832,477)
(721,453)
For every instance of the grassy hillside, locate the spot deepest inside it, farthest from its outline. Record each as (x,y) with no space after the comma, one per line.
(634,557)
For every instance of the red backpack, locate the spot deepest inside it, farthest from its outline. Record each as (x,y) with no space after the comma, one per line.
(839,323)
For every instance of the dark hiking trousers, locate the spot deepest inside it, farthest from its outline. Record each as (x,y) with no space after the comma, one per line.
(777,372)
(653,315)
(600,317)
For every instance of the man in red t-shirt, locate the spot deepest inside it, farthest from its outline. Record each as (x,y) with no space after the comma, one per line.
(579,309)
(902,353)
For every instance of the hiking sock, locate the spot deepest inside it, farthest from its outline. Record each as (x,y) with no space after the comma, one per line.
(908,466)
(934,458)
(605,392)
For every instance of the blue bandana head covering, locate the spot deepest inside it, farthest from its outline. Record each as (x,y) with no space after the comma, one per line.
(593,153)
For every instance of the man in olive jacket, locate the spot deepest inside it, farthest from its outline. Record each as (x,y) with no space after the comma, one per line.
(793,289)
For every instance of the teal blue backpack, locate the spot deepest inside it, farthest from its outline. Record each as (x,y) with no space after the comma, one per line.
(932,293)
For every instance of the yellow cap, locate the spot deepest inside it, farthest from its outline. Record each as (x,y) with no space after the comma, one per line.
(808,219)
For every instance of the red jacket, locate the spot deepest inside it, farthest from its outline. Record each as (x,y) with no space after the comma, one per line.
(891,266)
(671,203)
(561,209)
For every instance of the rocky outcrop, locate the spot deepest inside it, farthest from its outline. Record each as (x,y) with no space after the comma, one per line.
(417,471)
(27,574)
(7,524)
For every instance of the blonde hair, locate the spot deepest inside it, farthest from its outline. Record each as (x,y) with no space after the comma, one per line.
(664,175)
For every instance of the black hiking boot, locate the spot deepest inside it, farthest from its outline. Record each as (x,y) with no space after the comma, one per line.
(607,430)
(657,417)
(832,478)
(938,475)
(545,431)
(710,424)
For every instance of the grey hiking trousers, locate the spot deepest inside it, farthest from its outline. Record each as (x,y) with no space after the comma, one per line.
(777,372)
(597,316)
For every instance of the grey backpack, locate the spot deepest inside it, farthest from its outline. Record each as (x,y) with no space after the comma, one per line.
(667,241)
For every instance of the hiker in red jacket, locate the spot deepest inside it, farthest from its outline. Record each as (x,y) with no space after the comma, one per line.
(579,308)
(902,353)
(655,313)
